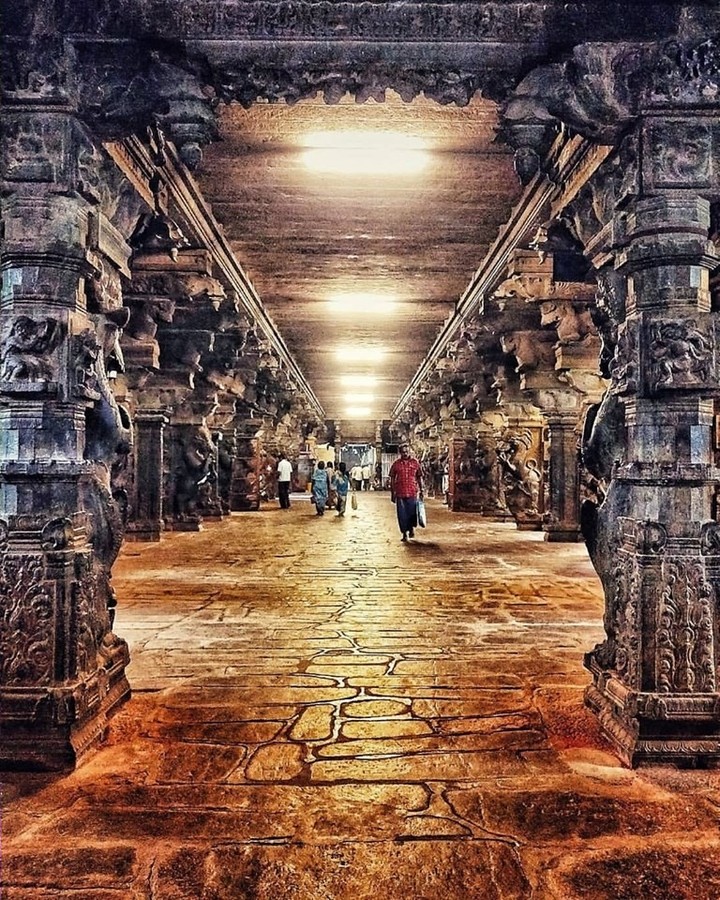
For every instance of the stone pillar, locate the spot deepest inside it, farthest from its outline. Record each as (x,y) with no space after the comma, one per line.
(475,476)
(522,459)
(245,481)
(62,670)
(147,523)
(562,519)
(656,539)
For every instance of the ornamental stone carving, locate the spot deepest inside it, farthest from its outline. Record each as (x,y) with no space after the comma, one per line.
(681,355)
(685,640)
(27,353)
(27,624)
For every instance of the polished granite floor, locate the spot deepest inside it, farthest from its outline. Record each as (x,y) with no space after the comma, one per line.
(321,712)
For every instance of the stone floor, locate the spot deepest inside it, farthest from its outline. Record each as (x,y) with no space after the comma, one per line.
(323,713)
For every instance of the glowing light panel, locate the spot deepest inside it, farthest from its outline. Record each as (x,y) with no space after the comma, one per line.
(365,153)
(358,381)
(353,302)
(360,354)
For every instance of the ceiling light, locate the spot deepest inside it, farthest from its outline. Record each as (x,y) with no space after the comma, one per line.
(358,381)
(365,153)
(358,412)
(360,354)
(360,399)
(354,302)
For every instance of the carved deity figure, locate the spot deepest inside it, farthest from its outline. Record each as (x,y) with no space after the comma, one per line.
(26,354)
(193,471)
(521,484)
(681,354)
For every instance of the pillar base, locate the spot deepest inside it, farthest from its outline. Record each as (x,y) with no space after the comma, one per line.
(564,536)
(150,533)
(185,526)
(52,729)
(682,729)
(529,524)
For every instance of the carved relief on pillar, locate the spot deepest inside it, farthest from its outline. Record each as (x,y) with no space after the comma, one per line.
(475,476)
(521,456)
(63,442)
(28,358)
(681,355)
(27,626)
(61,668)
(245,482)
(686,658)
(191,453)
(655,677)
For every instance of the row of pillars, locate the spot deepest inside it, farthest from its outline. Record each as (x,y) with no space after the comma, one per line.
(654,539)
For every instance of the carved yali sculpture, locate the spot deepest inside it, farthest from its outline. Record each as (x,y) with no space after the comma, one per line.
(108,441)
(108,437)
(603,446)
(27,351)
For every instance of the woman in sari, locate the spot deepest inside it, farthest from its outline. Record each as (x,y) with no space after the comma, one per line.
(320,488)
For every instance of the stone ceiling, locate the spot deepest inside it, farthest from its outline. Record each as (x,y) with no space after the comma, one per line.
(304,236)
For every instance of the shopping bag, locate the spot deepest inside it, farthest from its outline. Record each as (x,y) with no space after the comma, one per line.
(353,500)
(421,515)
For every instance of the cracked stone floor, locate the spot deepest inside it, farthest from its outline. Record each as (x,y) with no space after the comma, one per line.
(323,713)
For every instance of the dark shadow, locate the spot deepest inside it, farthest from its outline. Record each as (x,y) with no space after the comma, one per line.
(418,545)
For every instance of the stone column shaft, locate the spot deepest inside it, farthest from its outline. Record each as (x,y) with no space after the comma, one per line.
(562,522)
(147,523)
(657,542)
(62,670)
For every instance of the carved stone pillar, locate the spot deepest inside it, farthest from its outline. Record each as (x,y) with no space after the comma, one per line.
(475,474)
(245,480)
(562,518)
(655,540)
(522,459)
(147,523)
(62,436)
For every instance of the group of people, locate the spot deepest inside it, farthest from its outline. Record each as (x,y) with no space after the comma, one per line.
(330,487)
(360,477)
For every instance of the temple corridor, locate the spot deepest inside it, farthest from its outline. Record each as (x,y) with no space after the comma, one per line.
(320,711)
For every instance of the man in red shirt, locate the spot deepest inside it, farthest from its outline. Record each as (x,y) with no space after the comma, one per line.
(405,487)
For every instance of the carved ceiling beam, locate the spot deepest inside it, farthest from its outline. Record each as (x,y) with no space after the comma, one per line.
(133,154)
(568,157)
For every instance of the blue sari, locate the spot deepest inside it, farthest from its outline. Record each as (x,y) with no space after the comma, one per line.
(320,490)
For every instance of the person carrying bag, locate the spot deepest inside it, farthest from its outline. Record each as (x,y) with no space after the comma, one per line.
(406,491)
(421,514)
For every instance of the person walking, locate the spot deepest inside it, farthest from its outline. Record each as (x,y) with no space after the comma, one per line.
(332,496)
(366,473)
(356,477)
(320,488)
(405,488)
(284,476)
(342,487)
